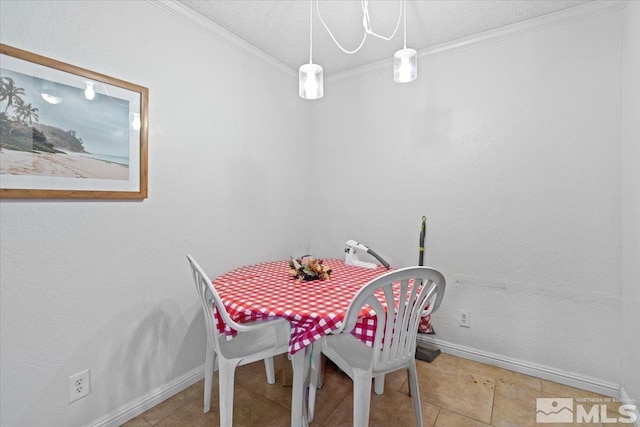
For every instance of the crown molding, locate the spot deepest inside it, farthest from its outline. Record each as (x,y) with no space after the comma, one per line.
(215,31)
(562,17)
(540,23)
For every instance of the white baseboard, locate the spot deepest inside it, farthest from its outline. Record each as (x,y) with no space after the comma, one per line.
(524,367)
(149,400)
(154,397)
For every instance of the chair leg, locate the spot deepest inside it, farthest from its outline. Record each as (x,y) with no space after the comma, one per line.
(315,379)
(415,393)
(323,369)
(361,398)
(226,377)
(298,415)
(210,361)
(379,384)
(287,371)
(271,370)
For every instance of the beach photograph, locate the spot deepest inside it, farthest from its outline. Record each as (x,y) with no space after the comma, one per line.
(52,129)
(67,165)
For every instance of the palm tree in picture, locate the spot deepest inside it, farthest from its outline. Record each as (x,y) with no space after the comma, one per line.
(10,92)
(25,112)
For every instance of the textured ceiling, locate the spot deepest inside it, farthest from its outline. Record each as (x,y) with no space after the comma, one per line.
(280,28)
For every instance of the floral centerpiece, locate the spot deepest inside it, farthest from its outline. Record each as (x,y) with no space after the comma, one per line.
(307,269)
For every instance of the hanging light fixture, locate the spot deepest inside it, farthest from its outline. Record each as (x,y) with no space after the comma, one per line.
(310,83)
(366,24)
(405,61)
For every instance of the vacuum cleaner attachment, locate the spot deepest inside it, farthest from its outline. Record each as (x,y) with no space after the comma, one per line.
(351,255)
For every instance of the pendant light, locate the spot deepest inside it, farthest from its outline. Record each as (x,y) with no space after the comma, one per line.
(405,61)
(310,75)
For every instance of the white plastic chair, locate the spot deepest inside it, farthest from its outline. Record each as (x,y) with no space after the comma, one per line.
(254,341)
(394,344)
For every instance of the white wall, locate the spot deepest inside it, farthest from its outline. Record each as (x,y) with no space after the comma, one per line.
(631,200)
(512,151)
(105,285)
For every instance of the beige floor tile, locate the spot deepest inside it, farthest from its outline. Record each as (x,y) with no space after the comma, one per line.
(253,376)
(389,409)
(499,374)
(336,387)
(190,403)
(460,391)
(138,421)
(398,408)
(517,405)
(453,392)
(514,405)
(194,396)
(252,409)
(444,361)
(397,381)
(282,419)
(562,390)
(451,419)
(183,418)
(164,409)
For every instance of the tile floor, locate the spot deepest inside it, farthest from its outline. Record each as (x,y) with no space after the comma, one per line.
(453,391)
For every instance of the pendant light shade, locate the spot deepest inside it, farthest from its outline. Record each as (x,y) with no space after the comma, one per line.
(405,65)
(405,61)
(310,75)
(310,81)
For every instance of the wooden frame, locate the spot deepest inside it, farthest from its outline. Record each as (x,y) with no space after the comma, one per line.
(67,132)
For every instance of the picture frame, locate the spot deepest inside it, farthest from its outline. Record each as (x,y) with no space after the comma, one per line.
(69,133)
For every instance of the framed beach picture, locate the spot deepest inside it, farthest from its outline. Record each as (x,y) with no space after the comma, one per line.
(67,132)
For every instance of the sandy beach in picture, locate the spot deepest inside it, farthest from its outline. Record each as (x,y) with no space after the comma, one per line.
(66,165)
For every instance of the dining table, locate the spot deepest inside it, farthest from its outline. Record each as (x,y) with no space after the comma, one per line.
(313,308)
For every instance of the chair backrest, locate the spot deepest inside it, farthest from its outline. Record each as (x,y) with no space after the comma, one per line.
(209,299)
(398,299)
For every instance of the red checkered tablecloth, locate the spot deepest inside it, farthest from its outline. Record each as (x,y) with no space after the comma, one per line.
(314,309)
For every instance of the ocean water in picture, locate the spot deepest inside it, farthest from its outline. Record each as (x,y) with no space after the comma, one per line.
(60,130)
(66,116)
(107,158)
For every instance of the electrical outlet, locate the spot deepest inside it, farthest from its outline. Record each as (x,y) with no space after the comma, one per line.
(79,385)
(465,319)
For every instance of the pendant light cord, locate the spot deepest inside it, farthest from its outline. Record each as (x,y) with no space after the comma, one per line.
(404,11)
(369,30)
(310,31)
(367,26)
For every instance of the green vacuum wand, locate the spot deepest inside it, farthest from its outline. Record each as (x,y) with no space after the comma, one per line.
(424,351)
(423,232)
